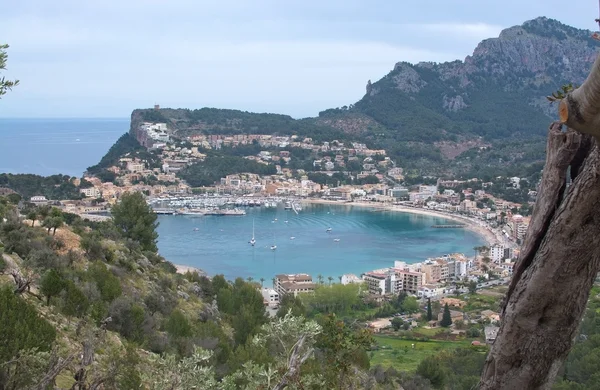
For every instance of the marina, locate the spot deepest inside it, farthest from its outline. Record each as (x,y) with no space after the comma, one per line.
(218,205)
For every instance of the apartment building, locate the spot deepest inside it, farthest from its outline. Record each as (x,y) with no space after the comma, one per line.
(294,284)
(376,282)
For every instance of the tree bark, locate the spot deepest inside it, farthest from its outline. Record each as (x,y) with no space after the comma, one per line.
(580,109)
(553,277)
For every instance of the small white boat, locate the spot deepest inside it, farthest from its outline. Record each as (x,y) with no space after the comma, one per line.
(285,221)
(196,229)
(252,240)
(292,238)
(329,230)
(336,240)
(273,247)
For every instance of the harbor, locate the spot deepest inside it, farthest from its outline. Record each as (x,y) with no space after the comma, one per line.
(218,205)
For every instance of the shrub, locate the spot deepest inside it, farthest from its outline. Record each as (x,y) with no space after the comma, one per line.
(74,302)
(21,327)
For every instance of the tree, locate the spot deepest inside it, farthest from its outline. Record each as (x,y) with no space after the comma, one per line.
(5,85)
(430,368)
(136,220)
(446,317)
(429,313)
(320,278)
(330,279)
(397,323)
(32,215)
(262,281)
(472,287)
(343,349)
(51,284)
(410,305)
(56,223)
(558,262)
(47,223)
(290,303)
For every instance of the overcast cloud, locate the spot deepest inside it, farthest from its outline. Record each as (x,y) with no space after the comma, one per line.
(105,58)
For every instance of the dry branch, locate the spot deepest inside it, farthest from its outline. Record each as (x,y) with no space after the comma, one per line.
(56,366)
(553,277)
(294,363)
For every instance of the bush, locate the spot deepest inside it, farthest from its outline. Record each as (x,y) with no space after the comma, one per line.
(473,332)
(21,327)
(168,267)
(108,284)
(178,325)
(74,302)
(127,318)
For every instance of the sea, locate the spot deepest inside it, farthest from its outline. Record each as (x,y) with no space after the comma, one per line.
(56,146)
(361,239)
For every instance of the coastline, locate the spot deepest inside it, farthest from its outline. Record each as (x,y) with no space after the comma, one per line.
(470,224)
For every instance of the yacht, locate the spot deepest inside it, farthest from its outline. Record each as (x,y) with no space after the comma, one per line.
(252,240)
(329,230)
(273,247)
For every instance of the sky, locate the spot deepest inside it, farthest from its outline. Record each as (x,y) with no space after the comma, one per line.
(105,58)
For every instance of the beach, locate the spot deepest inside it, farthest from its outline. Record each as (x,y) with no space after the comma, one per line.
(471,224)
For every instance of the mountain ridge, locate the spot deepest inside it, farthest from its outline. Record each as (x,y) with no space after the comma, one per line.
(494,96)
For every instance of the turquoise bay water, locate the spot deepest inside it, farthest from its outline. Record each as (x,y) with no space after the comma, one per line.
(369,239)
(51,146)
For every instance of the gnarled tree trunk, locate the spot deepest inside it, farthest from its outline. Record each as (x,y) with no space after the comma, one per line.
(560,257)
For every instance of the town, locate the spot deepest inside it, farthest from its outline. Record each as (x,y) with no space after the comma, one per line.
(437,279)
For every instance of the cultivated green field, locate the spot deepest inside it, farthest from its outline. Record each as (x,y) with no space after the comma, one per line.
(399,353)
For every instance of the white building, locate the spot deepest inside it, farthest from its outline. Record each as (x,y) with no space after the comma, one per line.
(350,278)
(271,297)
(430,291)
(375,282)
(431,190)
(39,200)
(497,253)
(91,192)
